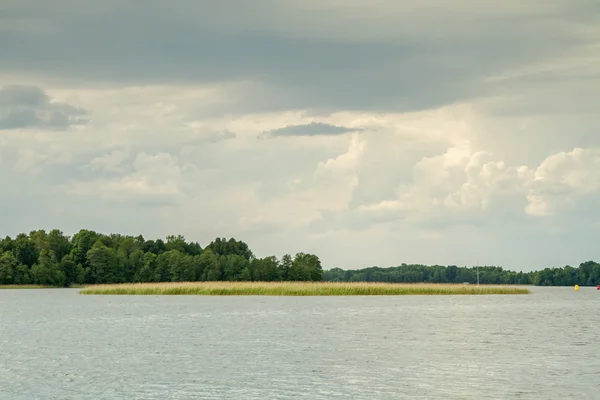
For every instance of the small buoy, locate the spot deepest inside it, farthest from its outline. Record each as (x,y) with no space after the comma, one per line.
(576,287)
(598,287)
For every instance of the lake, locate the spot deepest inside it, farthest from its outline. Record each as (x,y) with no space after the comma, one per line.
(57,344)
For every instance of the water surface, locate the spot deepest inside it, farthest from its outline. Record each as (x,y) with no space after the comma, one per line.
(56,344)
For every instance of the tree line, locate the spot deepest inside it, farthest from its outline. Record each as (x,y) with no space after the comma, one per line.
(587,274)
(54,259)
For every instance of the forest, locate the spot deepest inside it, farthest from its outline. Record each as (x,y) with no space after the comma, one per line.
(88,257)
(587,274)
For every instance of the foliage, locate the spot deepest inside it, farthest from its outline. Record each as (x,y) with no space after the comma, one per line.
(90,257)
(587,274)
(53,259)
(47,270)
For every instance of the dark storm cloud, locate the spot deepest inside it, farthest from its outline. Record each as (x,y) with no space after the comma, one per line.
(119,42)
(312,129)
(31,107)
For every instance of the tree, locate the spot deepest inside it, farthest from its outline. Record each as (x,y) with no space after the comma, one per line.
(175,266)
(6,244)
(162,268)
(89,257)
(245,275)
(306,267)
(25,250)
(47,271)
(285,267)
(73,272)
(58,243)
(176,243)
(8,266)
(22,275)
(265,269)
(129,256)
(209,265)
(136,262)
(146,272)
(153,246)
(103,265)
(40,239)
(232,266)
(82,242)
(224,247)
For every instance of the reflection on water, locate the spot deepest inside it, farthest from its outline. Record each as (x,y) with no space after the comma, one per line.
(55,344)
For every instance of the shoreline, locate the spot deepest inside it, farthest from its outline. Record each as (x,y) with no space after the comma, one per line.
(5,287)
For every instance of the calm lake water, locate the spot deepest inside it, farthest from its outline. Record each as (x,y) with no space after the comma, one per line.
(57,344)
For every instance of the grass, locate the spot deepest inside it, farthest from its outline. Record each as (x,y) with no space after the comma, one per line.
(23,287)
(296,289)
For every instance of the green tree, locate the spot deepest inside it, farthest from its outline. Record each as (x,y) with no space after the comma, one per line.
(146,272)
(129,255)
(224,247)
(265,269)
(285,267)
(103,265)
(22,275)
(178,243)
(6,244)
(232,266)
(209,266)
(74,273)
(25,250)
(8,266)
(82,242)
(47,270)
(59,243)
(136,263)
(40,239)
(153,246)
(306,267)
(245,275)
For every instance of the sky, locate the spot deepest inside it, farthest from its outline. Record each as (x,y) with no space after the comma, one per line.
(370,133)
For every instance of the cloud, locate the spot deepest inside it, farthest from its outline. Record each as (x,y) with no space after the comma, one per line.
(31,107)
(29,160)
(214,137)
(459,186)
(327,188)
(354,56)
(421,132)
(312,129)
(155,179)
(112,161)
(563,180)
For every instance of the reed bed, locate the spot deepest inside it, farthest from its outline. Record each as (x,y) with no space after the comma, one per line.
(296,289)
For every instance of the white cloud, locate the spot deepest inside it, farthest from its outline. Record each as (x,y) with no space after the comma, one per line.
(328,189)
(155,178)
(563,179)
(112,161)
(29,161)
(459,181)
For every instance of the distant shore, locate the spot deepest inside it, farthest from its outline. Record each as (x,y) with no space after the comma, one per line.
(297,289)
(24,287)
